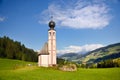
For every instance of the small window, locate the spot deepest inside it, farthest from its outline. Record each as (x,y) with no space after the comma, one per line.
(53,33)
(50,33)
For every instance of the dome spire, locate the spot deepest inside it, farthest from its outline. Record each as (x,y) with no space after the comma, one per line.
(51,17)
(51,23)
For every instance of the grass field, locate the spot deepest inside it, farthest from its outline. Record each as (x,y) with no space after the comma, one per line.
(20,70)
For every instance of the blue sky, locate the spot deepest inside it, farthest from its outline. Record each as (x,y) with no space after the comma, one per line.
(81,25)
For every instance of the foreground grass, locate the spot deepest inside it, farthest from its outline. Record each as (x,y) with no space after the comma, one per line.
(17,70)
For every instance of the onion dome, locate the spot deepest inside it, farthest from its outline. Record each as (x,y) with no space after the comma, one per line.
(51,24)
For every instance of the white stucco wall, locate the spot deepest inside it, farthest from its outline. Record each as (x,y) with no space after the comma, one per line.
(52,46)
(43,60)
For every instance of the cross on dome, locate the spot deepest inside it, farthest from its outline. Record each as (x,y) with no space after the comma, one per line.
(51,23)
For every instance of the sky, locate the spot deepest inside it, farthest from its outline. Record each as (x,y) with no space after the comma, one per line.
(81,25)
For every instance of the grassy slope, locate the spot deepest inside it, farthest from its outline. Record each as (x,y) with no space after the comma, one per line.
(8,71)
(100,53)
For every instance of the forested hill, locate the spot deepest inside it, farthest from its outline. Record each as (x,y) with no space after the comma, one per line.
(108,52)
(101,54)
(15,50)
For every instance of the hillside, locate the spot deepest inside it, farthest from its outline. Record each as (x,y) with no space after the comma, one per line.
(15,50)
(21,70)
(108,52)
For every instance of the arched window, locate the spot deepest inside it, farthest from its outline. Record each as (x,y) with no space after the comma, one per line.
(50,33)
(53,33)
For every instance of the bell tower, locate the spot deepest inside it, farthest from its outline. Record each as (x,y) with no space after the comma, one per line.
(52,43)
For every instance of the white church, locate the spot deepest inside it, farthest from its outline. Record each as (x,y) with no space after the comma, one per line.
(47,55)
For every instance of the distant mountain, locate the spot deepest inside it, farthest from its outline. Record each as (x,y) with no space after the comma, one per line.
(69,56)
(109,52)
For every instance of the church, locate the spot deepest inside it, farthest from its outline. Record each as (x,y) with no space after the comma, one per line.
(47,55)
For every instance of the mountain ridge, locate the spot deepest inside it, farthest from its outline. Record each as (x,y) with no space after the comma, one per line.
(111,51)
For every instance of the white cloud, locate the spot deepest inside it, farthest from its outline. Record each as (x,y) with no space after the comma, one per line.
(2,19)
(79,49)
(80,14)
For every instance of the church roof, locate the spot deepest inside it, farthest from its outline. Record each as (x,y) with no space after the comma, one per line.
(44,50)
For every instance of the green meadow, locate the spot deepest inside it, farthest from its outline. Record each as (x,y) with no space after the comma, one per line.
(21,70)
